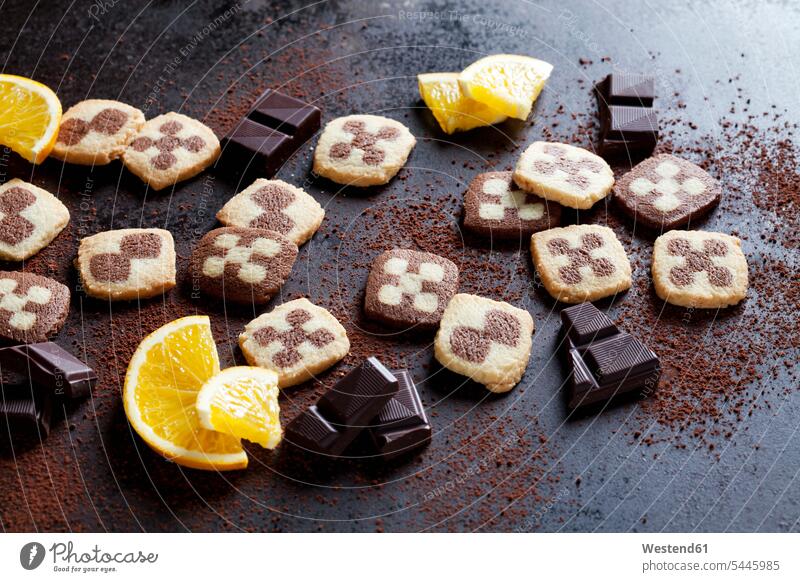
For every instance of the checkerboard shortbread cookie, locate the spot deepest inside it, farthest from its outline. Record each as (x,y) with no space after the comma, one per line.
(581,262)
(362,150)
(488,341)
(495,206)
(244,265)
(666,192)
(297,340)
(30,218)
(32,307)
(132,263)
(566,174)
(699,269)
(170,148)
(274,205)
(409,289)
(96,131)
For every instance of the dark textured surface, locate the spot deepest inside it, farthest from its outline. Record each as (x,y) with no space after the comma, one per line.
(516,462)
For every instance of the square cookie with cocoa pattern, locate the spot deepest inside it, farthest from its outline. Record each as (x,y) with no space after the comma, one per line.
(362,150)
(696,268)
(170,148)
(32,307)
(243,265)
(485,340)
(130,263)
(563,173)
(297,340)
(96,132)
(274,205)
(408,289)
(30,218)
(580,263)
(495,206)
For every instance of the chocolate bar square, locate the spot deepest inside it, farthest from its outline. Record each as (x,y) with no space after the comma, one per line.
(402,425)
(343,412)
(627,89)
(602,360)
(274,129)
(629,128)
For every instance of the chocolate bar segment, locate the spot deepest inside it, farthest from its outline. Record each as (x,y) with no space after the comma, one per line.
(402,425)
(603,361)
(270,133)
(584,322)
(48,366)
(628,89)
(629,129)
(344,411)
(25,411)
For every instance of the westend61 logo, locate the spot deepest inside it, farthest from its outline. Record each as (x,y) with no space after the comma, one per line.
(67,559)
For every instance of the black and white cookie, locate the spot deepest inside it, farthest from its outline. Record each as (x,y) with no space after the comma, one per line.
(495,206)
(32,307)
(245,265)
(410,288)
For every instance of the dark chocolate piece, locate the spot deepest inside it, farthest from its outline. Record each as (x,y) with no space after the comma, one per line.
(628,129)
(270,133)
(344,411)
(25,410)
(603,361)
(50,367)
(627,89)
(402,425)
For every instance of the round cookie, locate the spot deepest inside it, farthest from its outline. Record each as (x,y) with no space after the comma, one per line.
(580,263)
(666,192)
(409,289)
(32,307)
(297,340)
(170,148)
(488,341)
(96,131)
(130,263)
(569,175)
(30,218)
(362,150)
(244,265)
(699,269)
(274,205)
(494,206)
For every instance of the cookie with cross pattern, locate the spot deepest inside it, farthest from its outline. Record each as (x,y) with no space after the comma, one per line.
(30,218)
(243,265)
(495,206)
(666,192)
(274,205)
(699,269)
(96,131)
(488,341)
(569,175)
(410,289)
(580,263)
(170,148)
(131,263)
(32,307)
(297,340)
(362,150)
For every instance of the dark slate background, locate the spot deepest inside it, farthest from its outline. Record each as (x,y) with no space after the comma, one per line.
(489,467)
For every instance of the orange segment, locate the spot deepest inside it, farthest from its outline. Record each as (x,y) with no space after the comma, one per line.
(508,84)
(163,380)
(451,107)
(243,402)
(30,115)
